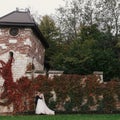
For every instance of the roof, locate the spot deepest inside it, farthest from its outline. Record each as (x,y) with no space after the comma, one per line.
(22,19)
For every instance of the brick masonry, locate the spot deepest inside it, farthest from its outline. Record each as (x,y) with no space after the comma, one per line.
(27,48)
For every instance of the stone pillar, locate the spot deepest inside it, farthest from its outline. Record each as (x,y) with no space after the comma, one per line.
(53,73)
(99,74)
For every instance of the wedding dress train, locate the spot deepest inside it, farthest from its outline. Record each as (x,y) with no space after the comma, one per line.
(42,108)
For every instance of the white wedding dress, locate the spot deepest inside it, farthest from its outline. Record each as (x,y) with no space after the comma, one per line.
(42,108)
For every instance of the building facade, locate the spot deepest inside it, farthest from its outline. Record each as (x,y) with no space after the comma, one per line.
(20,35)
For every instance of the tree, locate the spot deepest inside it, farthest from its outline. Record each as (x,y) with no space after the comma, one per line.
(50,31)
(84,38)
(108,15)
(92,51)
(104,13)
(69,20)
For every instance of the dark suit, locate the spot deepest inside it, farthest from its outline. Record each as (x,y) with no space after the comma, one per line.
(36,100)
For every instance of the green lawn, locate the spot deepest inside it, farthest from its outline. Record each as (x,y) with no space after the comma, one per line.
(64,117)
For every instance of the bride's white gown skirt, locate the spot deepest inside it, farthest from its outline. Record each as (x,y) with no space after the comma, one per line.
(42,108)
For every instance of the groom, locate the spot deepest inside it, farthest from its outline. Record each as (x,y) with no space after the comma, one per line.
(36,98)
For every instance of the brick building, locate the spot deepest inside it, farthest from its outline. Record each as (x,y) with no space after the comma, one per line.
(20,34)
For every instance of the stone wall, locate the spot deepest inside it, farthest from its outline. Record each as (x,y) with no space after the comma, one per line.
(53,73)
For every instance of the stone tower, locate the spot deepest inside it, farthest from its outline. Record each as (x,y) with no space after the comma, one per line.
(20,35)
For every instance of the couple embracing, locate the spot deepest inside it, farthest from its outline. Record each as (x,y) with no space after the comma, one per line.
(41,107)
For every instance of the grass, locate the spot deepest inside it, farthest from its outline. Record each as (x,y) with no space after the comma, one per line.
(64,117)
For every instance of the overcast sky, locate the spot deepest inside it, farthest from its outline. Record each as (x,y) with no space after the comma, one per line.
(42,7)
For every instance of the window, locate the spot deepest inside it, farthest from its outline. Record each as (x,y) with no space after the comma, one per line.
(14,31)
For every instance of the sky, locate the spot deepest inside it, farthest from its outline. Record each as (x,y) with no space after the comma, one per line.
(40,7)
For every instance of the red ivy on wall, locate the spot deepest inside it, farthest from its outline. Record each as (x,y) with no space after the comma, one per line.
(10,87)
(21,93)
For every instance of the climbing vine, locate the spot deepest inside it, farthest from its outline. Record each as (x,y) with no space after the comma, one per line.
(75,87)
(22,92)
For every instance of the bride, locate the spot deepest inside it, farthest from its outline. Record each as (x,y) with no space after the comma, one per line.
(41,107)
